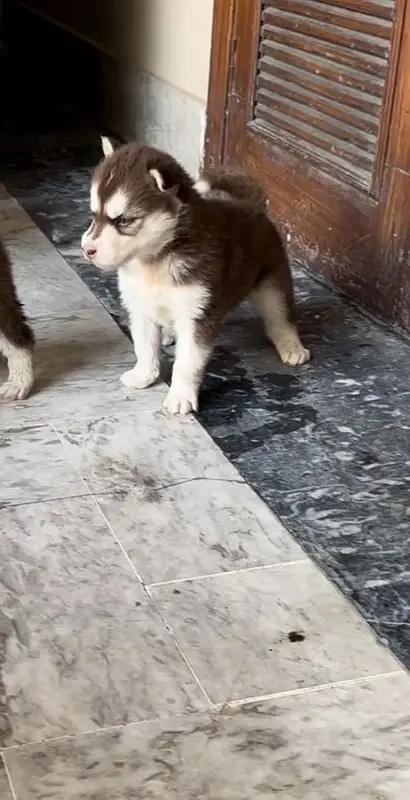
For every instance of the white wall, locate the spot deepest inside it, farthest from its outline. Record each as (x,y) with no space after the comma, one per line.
(170,39)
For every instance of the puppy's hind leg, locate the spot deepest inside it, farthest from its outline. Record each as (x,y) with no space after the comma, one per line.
(274,298)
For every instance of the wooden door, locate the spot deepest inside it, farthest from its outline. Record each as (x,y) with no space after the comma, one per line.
(313,97)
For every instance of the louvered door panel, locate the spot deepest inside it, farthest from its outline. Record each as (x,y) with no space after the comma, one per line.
(321,74)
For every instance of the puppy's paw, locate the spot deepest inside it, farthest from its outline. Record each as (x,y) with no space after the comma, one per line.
(140,377)
(181,400)
(293,353)
(15,390)
(168,337)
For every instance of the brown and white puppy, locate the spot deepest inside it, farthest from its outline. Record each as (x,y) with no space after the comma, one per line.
(16,337)
(184,261)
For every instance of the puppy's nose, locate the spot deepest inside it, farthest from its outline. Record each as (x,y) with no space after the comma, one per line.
(89,250)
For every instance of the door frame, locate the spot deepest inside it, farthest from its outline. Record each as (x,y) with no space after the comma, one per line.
(222,64)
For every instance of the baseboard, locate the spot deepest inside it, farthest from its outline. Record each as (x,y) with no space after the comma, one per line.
(140,106)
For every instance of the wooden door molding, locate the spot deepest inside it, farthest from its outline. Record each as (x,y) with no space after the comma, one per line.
(393,228)
(221,64)
(345,226)
(390,93)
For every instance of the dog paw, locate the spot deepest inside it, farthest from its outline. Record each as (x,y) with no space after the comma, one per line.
(168,337)
(181,401)
(294,354)
(138,378)
(13,390)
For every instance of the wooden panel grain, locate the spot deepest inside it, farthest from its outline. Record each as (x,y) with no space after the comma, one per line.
(348,115)
(328,225)
(318,143)
(314,209)
(324,14)
(378,8)
(351,76)
(374,65)
(393,241)
(340,94)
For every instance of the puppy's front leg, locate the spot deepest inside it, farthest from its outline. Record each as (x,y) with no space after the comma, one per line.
(146,337)
(192,353)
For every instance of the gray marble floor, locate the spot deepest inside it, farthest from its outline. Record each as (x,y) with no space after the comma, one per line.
(161,632)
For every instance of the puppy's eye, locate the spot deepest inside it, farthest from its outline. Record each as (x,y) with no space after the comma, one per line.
(123,222)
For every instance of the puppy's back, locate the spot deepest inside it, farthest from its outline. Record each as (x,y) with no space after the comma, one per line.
(228,184)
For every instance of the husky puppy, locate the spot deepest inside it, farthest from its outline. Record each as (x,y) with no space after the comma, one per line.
(184,261)
(16,337)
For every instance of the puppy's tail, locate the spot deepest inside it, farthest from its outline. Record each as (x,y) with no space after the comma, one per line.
(232,185)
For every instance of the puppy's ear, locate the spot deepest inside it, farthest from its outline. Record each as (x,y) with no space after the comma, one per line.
(158,178)
(108,145)
(163,182)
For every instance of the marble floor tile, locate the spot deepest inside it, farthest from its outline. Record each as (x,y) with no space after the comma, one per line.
(324,454)
(82,646)
(35,466)
(275,630)
(143,453)
(81,343)
(57,544)
(197,528)
(79,359)
(360,529)
(45,282)
(386,603)
(339,743)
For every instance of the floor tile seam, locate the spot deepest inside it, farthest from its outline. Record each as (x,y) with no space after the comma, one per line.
(46,500)
(277,565)
(213,709)
(167,486)
(77,496)
(70,462)
(76,418)
(8,776)
(187,714)
(315,689)
(117,540)
(318,568)
(170,633)
(153,604)
(36,317)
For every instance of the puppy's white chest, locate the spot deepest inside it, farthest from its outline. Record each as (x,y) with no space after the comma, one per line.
(160,299)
